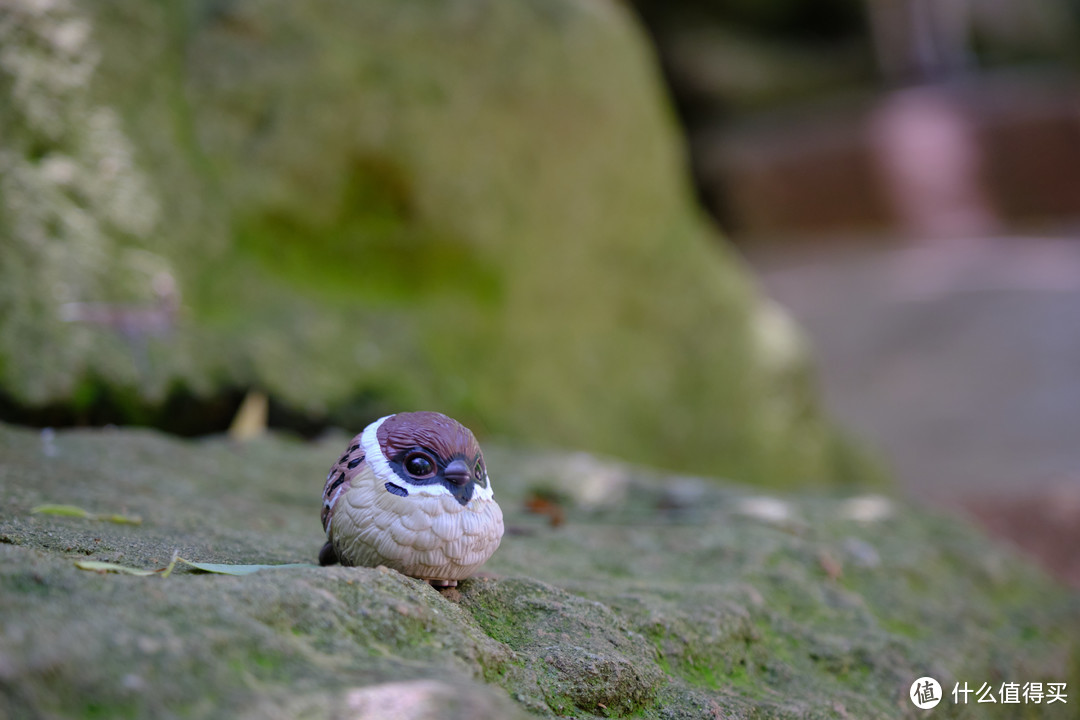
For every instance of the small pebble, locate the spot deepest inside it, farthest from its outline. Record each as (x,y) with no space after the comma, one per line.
(767,509)
(862,553)
(867,508)
(48,442)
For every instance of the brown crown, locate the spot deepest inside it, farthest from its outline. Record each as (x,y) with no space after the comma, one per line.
(432,430)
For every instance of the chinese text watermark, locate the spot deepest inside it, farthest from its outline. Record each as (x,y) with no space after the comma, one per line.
(926,693)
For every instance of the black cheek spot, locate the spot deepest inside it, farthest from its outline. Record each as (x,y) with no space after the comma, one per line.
(355,461)
(396,490)
(333,487)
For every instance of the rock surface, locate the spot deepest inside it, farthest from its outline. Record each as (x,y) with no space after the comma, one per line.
(655,597)
(475,206)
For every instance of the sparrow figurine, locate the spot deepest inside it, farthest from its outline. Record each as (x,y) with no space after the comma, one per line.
(412,493)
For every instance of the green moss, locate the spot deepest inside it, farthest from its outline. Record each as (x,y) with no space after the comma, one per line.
(489,610)
(646,613)
(374,249)
(121,709)
(703,673)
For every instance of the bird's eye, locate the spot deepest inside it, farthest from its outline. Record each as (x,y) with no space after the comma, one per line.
(479,473)
(419,465)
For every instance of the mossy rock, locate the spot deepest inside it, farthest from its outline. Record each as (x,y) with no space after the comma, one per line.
(475,206)
(657,596)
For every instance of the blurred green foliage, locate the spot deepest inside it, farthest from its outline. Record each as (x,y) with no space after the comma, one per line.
(471,206)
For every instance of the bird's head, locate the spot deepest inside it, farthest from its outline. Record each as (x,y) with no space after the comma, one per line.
(426,453)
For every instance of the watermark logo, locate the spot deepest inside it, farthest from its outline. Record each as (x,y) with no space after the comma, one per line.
(925,693)
(1011,693)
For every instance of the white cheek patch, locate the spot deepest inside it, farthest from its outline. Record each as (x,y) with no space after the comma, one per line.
(434,489)
(484,493)
(369,441)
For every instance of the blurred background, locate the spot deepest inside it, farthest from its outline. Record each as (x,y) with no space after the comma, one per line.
(907,117)
(509,212)
(904,175)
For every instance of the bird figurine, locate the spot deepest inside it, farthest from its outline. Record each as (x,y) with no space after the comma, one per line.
(412,493)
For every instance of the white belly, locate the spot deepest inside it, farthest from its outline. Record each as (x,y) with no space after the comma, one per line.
(425,536)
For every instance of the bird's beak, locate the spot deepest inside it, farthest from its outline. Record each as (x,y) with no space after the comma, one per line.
(457,472)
